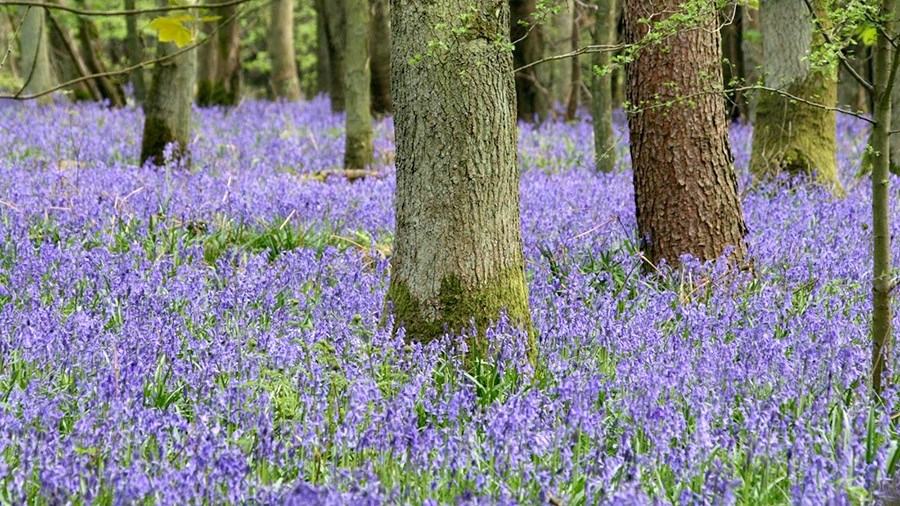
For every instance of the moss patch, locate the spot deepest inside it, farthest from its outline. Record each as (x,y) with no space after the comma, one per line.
(457,305)
(796,138)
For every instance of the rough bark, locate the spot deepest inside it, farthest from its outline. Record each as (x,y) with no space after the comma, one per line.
(168,108)
(334,37)
(880,143)
(527,36)
(34,48)
(791,136)
(285,83)
(358,149)
(684,182)
(605,28)
(380,60)
(458,248)
(219,71)
(134,51)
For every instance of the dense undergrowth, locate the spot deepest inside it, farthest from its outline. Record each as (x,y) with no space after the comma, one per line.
(218,333)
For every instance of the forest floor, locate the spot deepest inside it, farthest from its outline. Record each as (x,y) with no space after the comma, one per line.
(214,332)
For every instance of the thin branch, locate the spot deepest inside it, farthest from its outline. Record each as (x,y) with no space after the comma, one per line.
(841,58)
(582,50)
(13,40)
(126,12)
(808,102)
(126,70)
(758,87)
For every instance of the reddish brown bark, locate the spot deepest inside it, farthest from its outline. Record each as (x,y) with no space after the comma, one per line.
(685,186)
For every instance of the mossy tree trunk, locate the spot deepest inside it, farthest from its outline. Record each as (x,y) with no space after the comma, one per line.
(684,182)
(219,70)
(167,112)
(285,83)
(528,38)
(605,31)
(333,15)
(358,152)
(458,248)
(380,57)
(790,136)
(134,50)
(34,48)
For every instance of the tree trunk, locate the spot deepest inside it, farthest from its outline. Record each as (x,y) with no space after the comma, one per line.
(752,52)
(605,29)
(168,108)
(575,89)
(88,36)
(285,82)
(684,183)
(458,248)
(733,65)
(880,144)
(790,136)
(134,51)
(34,47)
(219,76)
(618,77)
(68,62)
(6,32)
(334,37)
(323,64)
(895,124)
(528,40)
(380,51)
(556,75)
(358,152)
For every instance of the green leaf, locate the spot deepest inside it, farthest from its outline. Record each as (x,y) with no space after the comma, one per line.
(172,29)
(868,35)
(207,19)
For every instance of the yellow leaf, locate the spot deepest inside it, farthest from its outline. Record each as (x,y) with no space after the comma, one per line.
(171,29)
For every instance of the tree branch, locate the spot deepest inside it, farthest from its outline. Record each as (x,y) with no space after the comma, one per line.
(758,87)
(841,58)
(13,40)
(127,12)
(571,54)
(126,70)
